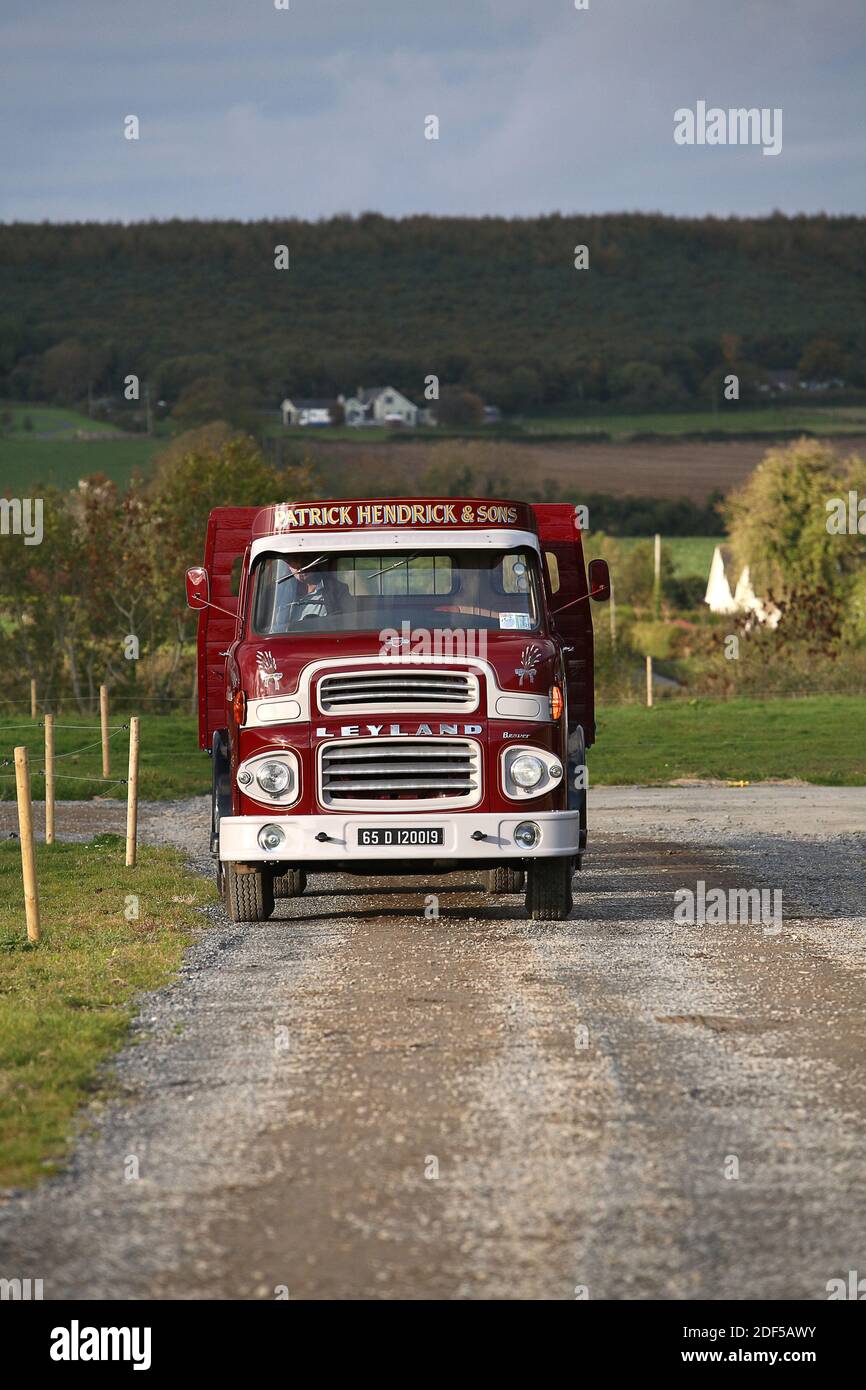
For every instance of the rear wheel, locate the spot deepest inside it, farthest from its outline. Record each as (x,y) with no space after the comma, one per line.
(289,884)
(249,894)
(503,879)
(548,889)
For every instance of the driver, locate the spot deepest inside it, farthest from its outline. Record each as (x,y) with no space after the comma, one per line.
(317,594)
(309,600)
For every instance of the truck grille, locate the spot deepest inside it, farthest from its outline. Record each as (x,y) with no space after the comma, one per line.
(366,692)
(373,772)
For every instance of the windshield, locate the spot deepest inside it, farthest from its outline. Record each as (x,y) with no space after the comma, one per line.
(364,592)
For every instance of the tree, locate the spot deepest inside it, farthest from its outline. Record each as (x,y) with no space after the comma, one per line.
(215,398)
(635,575)
(201,470)
(111,565)
(822,360)
(645,384)
(523,389)
(67,371)
(459,409)
(778,522)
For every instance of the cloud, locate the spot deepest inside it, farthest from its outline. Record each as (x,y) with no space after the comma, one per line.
(247,111)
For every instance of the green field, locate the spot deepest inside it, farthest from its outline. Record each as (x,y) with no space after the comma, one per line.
(51,419)
(731,418)
(171,762)
(26,462)
(821,739)
(66,1003)
(690,554)
(58,458)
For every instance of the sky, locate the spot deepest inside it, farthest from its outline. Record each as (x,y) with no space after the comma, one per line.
(247,111)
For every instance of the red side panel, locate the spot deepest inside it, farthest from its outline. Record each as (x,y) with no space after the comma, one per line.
(560,538)
(229,530)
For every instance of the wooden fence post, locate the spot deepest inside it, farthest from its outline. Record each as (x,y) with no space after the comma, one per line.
(132,795)
(25,831)
(33,707)
(49,779)
(103,719)
(612,617)
(657,575)
(649,682)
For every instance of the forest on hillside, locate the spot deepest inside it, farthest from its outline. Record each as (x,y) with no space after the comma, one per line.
(665,308)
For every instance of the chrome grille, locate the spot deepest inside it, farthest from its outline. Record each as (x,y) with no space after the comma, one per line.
(373,772)
(397,688)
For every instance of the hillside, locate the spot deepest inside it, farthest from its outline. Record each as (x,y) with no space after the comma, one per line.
(493,303)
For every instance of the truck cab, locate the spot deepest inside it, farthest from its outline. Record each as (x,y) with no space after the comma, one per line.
(396,686)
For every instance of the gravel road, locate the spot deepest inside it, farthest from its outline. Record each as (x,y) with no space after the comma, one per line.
(358,1100)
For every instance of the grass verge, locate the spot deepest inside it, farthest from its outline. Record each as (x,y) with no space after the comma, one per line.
(66,1003)
(820,739)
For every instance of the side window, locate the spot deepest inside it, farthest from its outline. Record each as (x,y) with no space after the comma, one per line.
(552,571)
(237,571)
(513,577)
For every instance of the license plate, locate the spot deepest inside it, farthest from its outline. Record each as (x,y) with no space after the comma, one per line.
(396,835)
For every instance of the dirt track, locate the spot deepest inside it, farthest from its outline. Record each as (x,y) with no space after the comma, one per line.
(579,1087)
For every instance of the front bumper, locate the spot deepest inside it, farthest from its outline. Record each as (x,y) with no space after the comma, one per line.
(238,839)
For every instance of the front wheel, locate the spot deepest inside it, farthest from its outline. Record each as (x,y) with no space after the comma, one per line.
(548,889)
(290,884)
(503,879)
(249,894)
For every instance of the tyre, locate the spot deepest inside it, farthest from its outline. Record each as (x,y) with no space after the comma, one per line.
(290,884)
(221,790)
(577,794)
(548,889)
(503,879)
(249,897)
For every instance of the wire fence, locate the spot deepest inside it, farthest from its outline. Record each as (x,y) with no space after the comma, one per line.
(38,767)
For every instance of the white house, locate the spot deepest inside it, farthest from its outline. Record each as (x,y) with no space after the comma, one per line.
(307,412)
(380,405)
(728,592)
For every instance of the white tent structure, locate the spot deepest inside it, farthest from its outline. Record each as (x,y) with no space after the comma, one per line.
(730,591)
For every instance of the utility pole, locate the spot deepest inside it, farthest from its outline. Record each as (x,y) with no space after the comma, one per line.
(657,574)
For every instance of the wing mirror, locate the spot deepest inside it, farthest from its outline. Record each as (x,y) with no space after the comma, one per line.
(197,587)
(599,580)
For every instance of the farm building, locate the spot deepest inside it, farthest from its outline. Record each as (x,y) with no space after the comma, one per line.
(380,405)
(307,412)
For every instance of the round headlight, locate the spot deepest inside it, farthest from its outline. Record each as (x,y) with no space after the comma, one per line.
(273,778)
(526,770)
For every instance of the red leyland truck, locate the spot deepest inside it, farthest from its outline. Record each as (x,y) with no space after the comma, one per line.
(396,686)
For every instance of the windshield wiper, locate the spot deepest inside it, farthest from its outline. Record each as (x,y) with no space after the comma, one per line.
(310,566)
(376,574)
